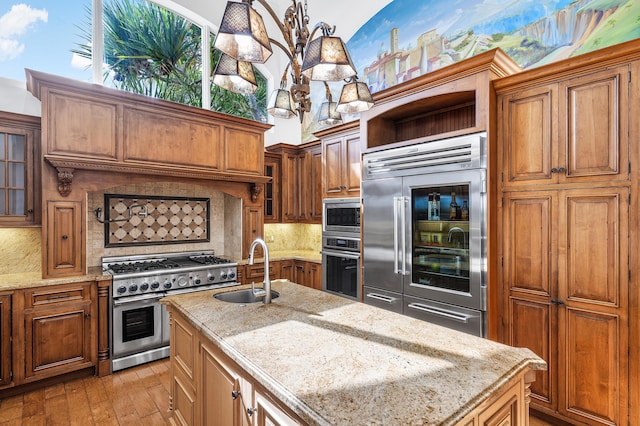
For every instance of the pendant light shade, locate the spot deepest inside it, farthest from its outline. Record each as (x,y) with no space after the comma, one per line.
(242,34)
(235,76)
(328,116)
(355,97)
(280,104)
(327,58)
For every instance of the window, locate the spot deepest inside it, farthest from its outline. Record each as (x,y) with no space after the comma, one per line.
(151,50)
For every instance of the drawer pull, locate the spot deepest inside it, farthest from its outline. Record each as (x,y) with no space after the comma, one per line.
(440,312)
(65,237)
(381,297)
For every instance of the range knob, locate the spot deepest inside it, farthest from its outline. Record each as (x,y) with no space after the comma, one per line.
(232,275)
(122,289)
(144,286)
(155,285)
(223,276)
(133,288)
(197,280)
(211,277)
(167,284)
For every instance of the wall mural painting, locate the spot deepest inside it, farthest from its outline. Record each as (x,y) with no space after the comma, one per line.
(409,38)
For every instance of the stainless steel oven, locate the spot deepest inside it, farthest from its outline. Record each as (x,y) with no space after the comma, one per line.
(341,215)
(139,329)
(137,324)
(341,265)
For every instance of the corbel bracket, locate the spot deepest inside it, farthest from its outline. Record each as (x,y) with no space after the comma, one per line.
(65,177)
(255,189)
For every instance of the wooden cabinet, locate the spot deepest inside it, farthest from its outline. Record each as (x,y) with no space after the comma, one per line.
(5,340)
(287,270)
(252,228)
(294,179)
(574,130)
(208,388)
(301,182)
(566,268)
(342,170)
(255,273)
(64,238)
(566,225)
(20,164)
(60,330)
(308,274)
(184,350)
(272,200)
(315,184)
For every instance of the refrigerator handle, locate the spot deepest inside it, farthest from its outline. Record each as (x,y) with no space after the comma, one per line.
(403,233)
(396,267)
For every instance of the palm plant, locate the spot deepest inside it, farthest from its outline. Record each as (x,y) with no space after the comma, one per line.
(154,52)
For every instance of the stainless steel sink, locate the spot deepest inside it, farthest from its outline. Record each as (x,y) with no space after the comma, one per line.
(243,296)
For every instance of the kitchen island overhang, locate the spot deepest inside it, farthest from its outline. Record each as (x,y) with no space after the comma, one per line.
(334,361)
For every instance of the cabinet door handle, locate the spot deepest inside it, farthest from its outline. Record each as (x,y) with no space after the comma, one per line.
(557,302)
(562,170)
(554,170)
(65,237)
(87,315)
(235,394)
(250,411)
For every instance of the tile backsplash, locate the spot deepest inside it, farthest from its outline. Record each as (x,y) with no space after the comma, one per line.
(225,219)
(293,236)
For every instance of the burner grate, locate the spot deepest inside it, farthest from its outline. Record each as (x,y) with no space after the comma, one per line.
(151,265)
(209,260)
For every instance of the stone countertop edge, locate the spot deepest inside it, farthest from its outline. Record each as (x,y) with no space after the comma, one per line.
(307,255)
(9,282)
(526,359)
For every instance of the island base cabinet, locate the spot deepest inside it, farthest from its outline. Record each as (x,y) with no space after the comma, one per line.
(5,340)
(208,388)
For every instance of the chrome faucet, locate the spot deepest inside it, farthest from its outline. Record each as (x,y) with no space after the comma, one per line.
(457,229)
(266,290)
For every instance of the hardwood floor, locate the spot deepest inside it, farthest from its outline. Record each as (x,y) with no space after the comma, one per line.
(136,396)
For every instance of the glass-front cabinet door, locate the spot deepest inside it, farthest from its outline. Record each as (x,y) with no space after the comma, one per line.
(446,242)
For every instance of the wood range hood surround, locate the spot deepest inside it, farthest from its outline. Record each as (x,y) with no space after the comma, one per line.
(92,127)
(95,138)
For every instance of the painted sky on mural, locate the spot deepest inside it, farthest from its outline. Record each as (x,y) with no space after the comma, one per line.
(531,31)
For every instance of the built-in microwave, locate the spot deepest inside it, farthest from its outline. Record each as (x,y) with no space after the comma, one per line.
(341,215)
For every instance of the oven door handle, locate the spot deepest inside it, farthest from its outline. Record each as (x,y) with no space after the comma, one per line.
(141,298)
(346,254)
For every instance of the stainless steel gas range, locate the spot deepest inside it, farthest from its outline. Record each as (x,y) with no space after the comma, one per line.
(139,329)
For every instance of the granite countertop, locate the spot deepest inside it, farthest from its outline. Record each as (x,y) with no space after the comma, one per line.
(334,361)
(19,281)
(308,255)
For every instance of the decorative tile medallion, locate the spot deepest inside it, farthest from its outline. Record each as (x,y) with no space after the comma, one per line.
(142,219)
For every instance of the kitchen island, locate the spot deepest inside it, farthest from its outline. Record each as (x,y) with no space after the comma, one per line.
(315,358)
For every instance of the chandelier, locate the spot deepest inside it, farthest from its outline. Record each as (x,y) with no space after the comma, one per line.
(243,40)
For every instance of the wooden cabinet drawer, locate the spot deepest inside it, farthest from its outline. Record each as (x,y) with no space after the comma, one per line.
(57,294)
(256,272)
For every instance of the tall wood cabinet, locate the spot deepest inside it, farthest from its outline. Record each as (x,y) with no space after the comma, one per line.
(563,138)
(301,182)
(341,152)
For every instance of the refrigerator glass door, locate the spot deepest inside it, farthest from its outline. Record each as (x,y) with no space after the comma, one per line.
(444,237)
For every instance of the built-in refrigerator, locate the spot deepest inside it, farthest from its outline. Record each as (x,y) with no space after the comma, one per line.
(424,231)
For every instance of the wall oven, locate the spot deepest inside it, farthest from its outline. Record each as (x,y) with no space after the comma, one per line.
(341,265)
